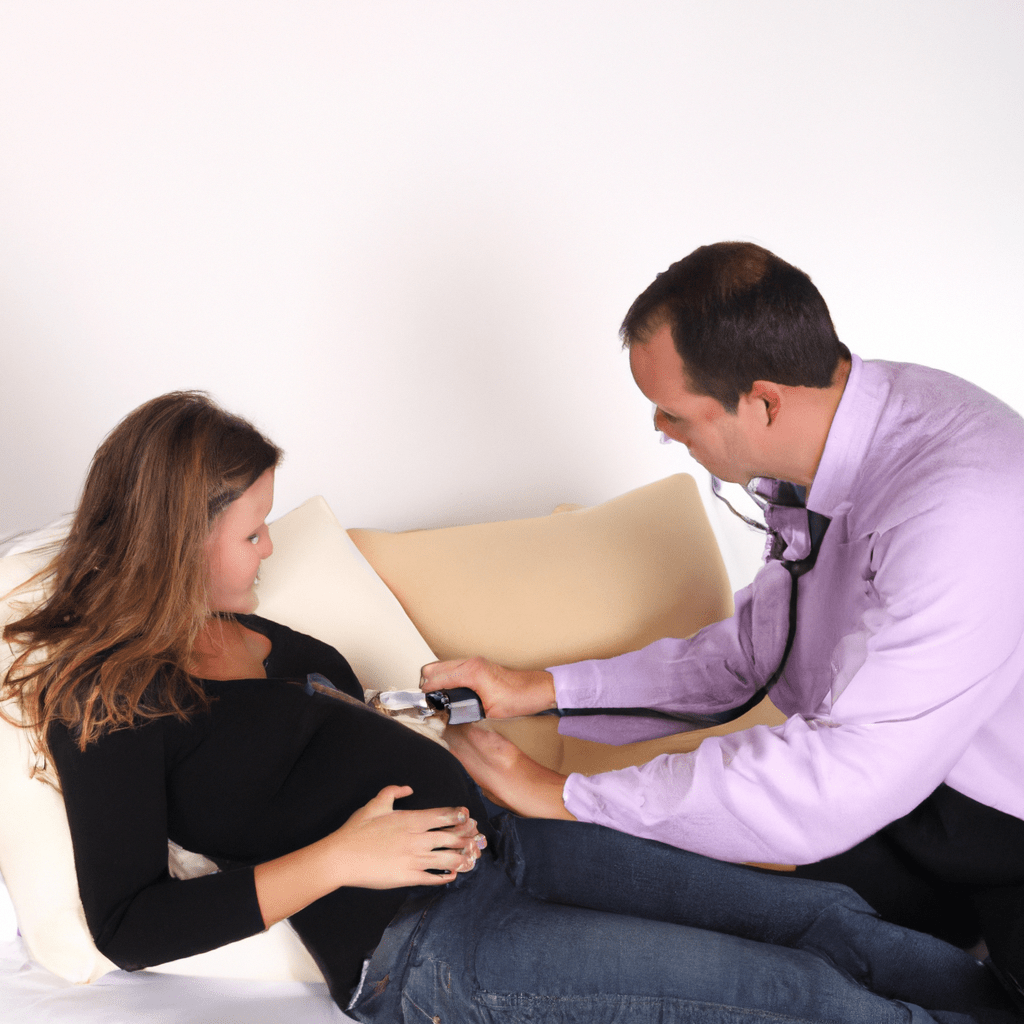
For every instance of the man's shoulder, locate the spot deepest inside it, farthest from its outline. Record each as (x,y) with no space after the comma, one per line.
(939,443)
(939,387)
(929,414)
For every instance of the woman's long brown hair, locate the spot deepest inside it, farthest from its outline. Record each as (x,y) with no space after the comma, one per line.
(112,643)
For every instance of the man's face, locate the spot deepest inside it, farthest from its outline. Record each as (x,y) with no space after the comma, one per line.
(719,440)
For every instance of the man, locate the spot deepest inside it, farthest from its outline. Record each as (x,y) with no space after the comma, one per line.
(899,769)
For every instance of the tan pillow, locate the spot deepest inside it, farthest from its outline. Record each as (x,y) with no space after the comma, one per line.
(582,584)
(586,583)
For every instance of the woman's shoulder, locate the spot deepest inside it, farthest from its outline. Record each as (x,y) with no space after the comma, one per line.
(296,655)
(269,628)
(282,638)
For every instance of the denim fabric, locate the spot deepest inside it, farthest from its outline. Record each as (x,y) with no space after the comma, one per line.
(589,865)
(483,950)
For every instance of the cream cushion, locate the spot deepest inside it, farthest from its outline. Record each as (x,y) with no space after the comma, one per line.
(317,582)
(586,583)
(36,859)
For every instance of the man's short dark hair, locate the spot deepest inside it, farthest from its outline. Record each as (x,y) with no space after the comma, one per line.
(738,314)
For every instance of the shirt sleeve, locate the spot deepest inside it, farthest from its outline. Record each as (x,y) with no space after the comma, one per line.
(138,914)
(717,669)
(933,663)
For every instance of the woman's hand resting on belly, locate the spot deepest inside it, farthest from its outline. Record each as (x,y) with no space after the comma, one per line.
(377,848)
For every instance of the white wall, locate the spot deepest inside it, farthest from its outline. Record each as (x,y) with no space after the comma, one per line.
(400,235)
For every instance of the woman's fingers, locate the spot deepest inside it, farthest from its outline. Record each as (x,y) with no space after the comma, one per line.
(454,818)
(384,801)
(388,847)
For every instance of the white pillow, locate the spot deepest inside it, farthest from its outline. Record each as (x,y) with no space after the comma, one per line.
(317,582)
(36,858)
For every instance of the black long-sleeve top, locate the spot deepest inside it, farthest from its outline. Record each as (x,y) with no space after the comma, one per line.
(270,767)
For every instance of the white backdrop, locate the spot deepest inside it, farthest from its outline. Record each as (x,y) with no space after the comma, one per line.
(400,235)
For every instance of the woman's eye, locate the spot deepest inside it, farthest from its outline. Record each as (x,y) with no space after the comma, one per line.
(254,539)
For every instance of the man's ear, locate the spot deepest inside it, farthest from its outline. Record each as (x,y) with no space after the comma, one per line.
(768,398)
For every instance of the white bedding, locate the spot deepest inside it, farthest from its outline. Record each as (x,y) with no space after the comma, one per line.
(30,994)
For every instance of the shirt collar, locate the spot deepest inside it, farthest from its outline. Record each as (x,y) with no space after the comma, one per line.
(849,438)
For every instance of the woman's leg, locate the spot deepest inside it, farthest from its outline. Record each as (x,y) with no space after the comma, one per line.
(485,952)
(952,867)
(876,870)
(591,866)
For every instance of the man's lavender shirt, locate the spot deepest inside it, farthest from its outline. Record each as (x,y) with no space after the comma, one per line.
(907,667)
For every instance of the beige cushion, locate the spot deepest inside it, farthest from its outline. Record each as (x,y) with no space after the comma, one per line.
(583,584)
(586,583)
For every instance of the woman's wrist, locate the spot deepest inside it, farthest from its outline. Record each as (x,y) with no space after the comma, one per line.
(287,884)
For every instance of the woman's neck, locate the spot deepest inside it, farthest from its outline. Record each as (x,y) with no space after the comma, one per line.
(225,649)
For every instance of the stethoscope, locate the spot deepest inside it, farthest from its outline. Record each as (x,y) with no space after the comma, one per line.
(784,494)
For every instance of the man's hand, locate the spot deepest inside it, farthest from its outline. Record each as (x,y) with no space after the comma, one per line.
(504,692)
(501,768)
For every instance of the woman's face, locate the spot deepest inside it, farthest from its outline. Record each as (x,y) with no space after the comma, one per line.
(237,544)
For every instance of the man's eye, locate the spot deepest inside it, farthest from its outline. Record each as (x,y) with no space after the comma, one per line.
(254,539)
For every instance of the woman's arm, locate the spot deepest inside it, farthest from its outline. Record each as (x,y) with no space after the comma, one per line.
(377,848)
(115,794)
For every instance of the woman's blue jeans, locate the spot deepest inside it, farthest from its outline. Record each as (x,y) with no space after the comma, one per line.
(576,923)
